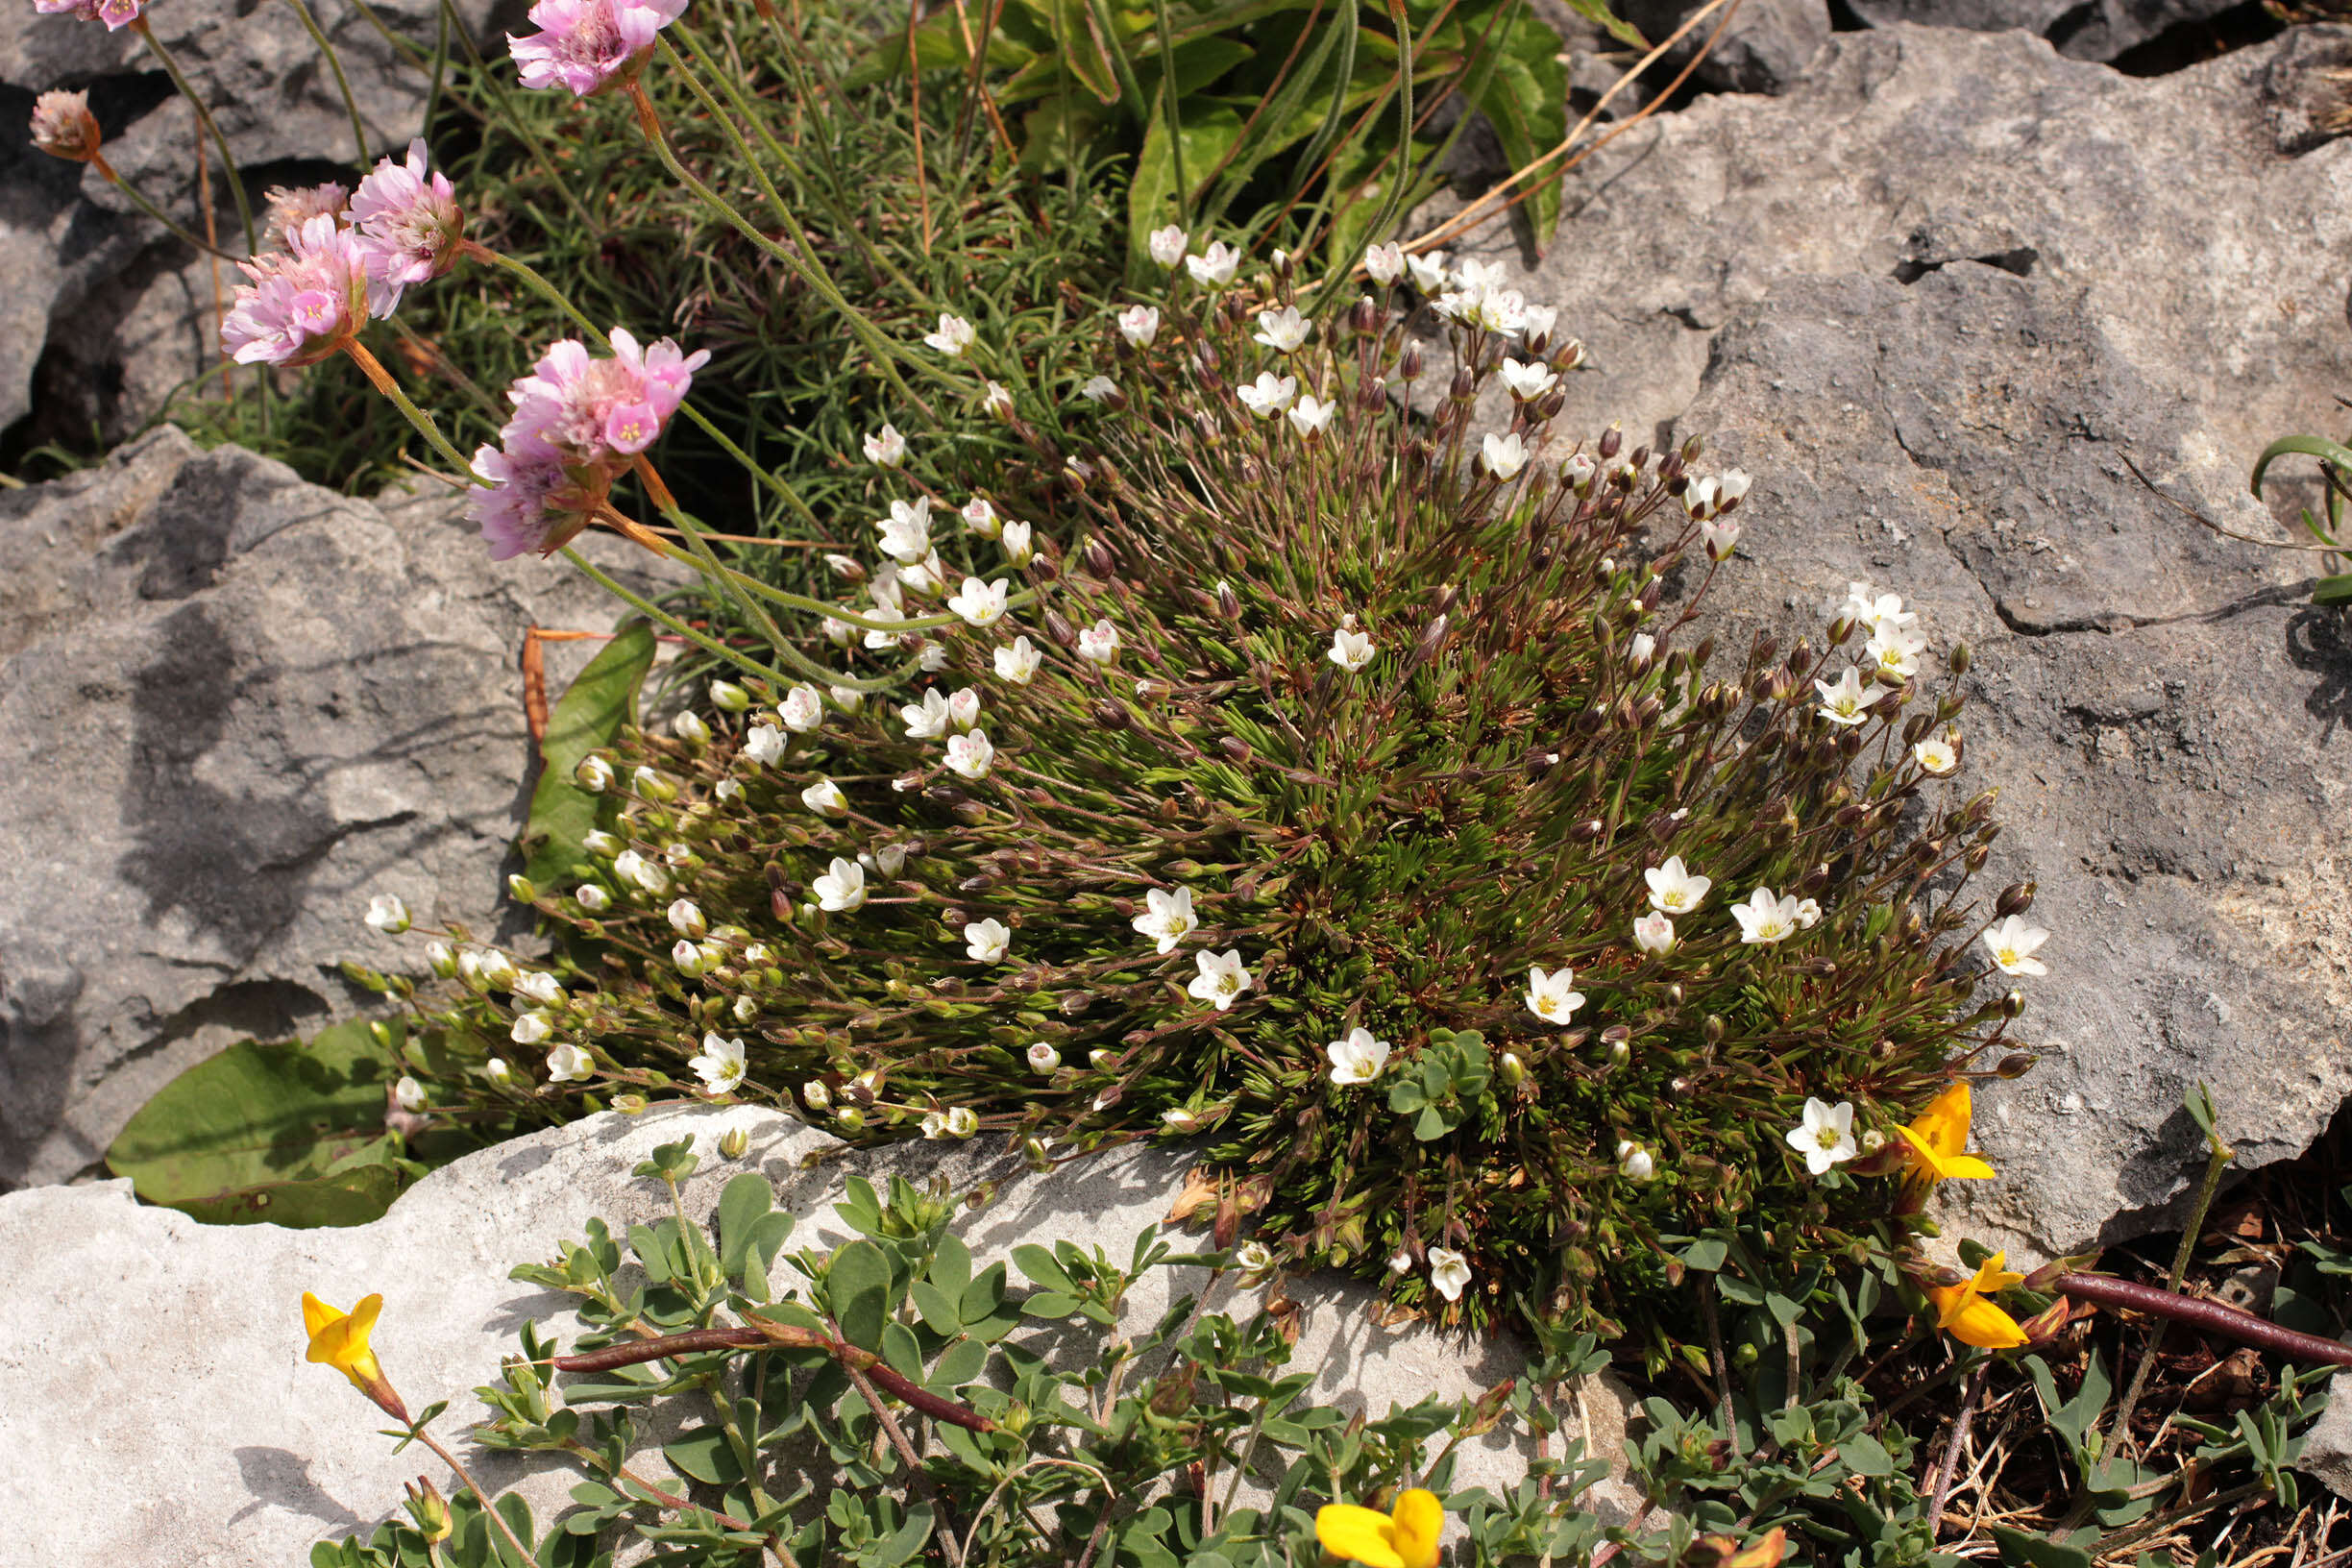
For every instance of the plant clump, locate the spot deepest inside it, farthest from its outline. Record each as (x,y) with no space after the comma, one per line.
(1347,792)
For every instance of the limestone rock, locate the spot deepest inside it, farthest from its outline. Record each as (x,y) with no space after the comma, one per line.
(233,706)
(1764,48)
(2080,29)
(1934,299)
(195,1330)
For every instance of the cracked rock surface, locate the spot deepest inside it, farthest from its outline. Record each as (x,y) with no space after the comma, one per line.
(1938,299)
(233,706)
(271,1454)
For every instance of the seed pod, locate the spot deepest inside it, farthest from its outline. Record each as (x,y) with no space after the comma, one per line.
(2013,1004)
(1612,441)
(1098,558)
(1960,658)
(1363,315)
(2015,899)
(1235,748)
(1692,448)
(1712,1031)
(1059,629)
(1670,472)
(2015,1064)
(1585,831)
(1464,386)
(1409,362)
(1974,860)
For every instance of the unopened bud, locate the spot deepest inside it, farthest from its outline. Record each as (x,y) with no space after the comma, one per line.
(519,888)
(2015,900)
(429,1509)
(734,1143)
(2013,1004)
(1613,442)
(1960,659)
(1513,1070)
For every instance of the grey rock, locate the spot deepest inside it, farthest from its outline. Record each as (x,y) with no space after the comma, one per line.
(1933,300)
(2327,1447)
(269,1454)
(2080,29)
(233,706)
(1765,47)
(2306,89)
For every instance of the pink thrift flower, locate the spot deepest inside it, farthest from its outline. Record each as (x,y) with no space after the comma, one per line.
(587,45)
(600,410)
(62,125)
(115,14)
(292,207)
(409,227)
(303,303)
(518,506)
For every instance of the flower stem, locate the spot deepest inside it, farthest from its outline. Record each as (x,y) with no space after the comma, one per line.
(203,117)
(523,1553)
(334,63)
(2218,1156)
(381,377)
(114,178)
(800,260)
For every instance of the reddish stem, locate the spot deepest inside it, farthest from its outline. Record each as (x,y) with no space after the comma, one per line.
(775,1336)
(2209,1317)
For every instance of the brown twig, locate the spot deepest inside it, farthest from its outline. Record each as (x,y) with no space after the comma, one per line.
(1952,1449)
(779,1336)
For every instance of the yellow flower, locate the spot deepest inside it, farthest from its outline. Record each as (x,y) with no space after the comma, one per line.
(1406,1538)
(341,1341)
(1963,1312)
(1938,1138)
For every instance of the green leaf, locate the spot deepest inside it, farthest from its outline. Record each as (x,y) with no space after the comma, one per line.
(705,1453)
(588,716)
(2307,446)
(2335,590)
(1865,1456)
(290,1134)
(1209,131)
(1522,92)
(937,1307)
(1042,1269)
(2019,1550)
(858,1287)
(1705,1255)
(745,1199)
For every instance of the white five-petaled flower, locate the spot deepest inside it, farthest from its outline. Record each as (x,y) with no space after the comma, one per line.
(802,710)
(1936,754)
(2013,944)
(721,1066)
(1221,978)
(409,1094)
(641,873)
(886,448)
(981,603)
(1719,538)
(1283,331)
(979,515)
(1253,1258)
(530,1028)
(1641,649)
(986,941)
(1268,395)
(1359,1058)
(1845,702)
(824,797)
(926,720)
(1529,380)
(1894,653)
(1654,933)
(1674,887)
(1554,997)
(964,708)
(1826,1136)
(1310,416)
(1635,1162)
(387,913)
(1099,642)
(1504,455)
(1765,917)
(842,887)
(1168,245)
(764,743)
(955,334)
(686,919)
(1139,324)
(1214,266)
(1018,661)
(1016,546)
(1098,389)
(1167,918)
(1429,272)
(1351,648)
(971,757)
(906,533)
(1383,264)
(1449,1272)
(996,401)
(569,1065)
(1871,608)
(1043,1059)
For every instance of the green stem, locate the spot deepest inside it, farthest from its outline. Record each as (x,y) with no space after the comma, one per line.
(2218,1156)
(383,383)
(334,63)
(114,177)
(801,261)
(203,117)
(522,1553)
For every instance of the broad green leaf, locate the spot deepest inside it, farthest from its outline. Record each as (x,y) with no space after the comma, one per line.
(1043,1268)
(1865,1456)
(1209,131)
(744,1200)
(705,1453)
(290,1134)
(588,716)
(2019,1550)
(858,1289)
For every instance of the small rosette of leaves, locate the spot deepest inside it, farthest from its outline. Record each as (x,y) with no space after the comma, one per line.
(1343,721)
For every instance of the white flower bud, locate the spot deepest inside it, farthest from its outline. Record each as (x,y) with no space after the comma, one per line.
(387,913)
(688,958)
(497,1071)
(961,1122)
(601,844)
(594,774)
(688,726)
(686,919)
(540,987)
(499,971)
(825,798)
(443,961)
(728,697)
(530,1028)
(816,1096)
(1043,1059)
(409,1094)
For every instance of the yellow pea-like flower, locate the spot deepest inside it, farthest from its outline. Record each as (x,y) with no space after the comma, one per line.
(1963,1312)
(1406,1539)
(1939,1137)
(340,1339)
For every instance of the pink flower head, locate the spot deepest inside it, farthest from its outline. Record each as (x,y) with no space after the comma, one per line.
(62,125)
(303,303)
(292,207)
(587,45)
(409,226)
(600,410)
(526,502)
(115,14)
